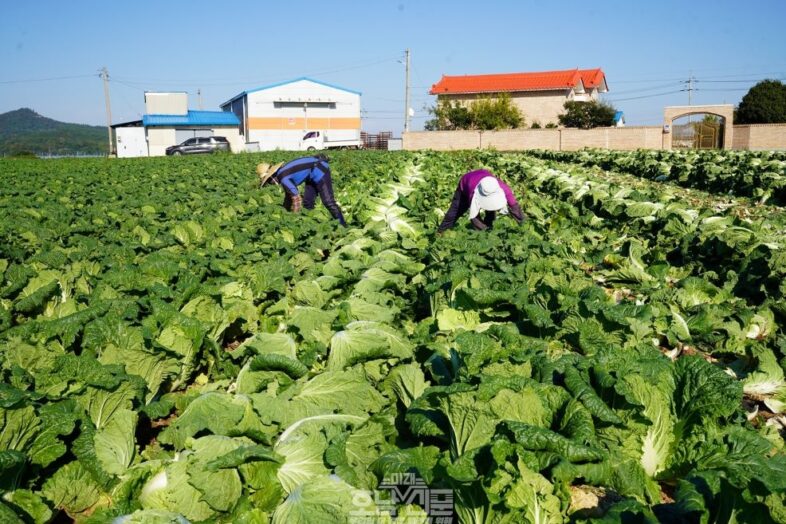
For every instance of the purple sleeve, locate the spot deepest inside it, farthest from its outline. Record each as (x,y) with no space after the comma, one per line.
(508,194)
(453,213)
(461,199)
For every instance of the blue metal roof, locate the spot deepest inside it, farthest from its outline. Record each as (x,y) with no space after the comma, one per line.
(244,93)
(193,118)
(617,116)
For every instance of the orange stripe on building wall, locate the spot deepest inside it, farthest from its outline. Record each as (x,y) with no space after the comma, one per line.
(260,123)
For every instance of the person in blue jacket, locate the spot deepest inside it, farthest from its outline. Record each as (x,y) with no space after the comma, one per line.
(314,171)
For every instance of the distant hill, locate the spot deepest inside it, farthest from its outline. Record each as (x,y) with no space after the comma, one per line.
(24,130)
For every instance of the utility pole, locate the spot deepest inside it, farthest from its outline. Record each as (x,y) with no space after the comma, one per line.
(690,94)
(105,76)
(406,92)
(199,95)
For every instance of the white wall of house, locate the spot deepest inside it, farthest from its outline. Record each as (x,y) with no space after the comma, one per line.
(236,142)
(130,142)
(277,117)
(166,103)
(586,96)
(160,138)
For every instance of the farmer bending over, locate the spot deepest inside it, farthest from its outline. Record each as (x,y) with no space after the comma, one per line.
(481,191)
(314,171)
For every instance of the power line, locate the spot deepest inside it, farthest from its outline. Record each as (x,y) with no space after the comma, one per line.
(127,84)
(648,81)
(398,100)
(198,82)
(127,102)
(653,88)
(390,117)
(748,74)
(648,96)
(737,81)
(719,90)
(353,67)
(45,79)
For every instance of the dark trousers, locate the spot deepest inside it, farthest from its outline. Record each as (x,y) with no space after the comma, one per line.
(325,190)
(459,206)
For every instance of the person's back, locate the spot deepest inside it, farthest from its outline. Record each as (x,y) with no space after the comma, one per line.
(477,191)
(314,171)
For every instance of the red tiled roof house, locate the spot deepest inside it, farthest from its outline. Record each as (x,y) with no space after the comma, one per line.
(540,95)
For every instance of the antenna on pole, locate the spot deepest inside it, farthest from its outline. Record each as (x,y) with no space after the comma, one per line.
(199,95)
(406,92)
(105,76)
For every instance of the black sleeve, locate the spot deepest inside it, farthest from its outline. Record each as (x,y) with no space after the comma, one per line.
(515,212)
(478,224)
(453,212)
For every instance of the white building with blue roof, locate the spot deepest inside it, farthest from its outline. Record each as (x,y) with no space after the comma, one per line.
(279,116)
(168,121)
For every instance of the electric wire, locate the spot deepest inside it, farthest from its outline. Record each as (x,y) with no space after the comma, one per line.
(31,80)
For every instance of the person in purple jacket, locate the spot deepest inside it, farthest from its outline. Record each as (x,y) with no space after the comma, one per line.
(481,191)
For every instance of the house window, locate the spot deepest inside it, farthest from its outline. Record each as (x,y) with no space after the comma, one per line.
(302,105)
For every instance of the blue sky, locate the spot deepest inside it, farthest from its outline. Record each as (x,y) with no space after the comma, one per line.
(52,50)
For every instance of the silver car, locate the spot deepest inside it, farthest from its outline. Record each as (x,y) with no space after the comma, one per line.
(209,144)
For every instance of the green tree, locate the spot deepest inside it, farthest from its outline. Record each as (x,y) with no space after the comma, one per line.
(449,116)
(485,113)
(586,115)
(496,113)
(765,103)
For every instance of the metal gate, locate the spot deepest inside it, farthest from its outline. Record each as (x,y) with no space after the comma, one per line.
(708,136)
(704,134)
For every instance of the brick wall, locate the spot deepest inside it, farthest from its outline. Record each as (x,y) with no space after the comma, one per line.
(541,107)
(553,139)
(441,140)
(754,137)
(760,136)
(625,138)
(742,137)
(520,139)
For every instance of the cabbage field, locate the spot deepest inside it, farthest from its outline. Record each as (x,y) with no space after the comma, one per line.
(176,347)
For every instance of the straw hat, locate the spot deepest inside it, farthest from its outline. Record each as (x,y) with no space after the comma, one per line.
(265,171)
(488,196)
